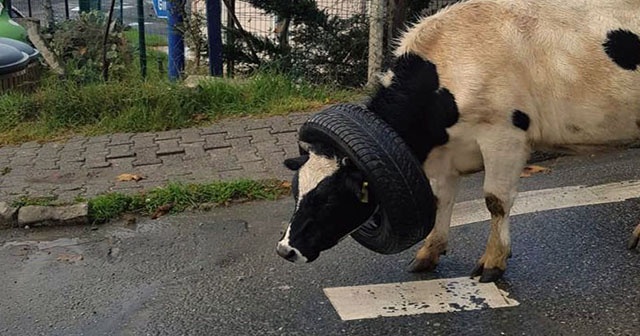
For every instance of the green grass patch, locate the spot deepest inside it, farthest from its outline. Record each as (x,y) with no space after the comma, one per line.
(59,108)
(184,196)
(150,40)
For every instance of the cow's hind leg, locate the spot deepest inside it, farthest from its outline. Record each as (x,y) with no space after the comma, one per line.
(505,151)
(444,181)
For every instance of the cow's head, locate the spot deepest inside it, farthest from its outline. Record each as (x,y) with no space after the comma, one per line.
(331,200)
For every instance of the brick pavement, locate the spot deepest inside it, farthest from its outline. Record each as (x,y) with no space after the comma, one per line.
(88,166)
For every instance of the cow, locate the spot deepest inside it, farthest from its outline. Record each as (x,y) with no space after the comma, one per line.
(520,75)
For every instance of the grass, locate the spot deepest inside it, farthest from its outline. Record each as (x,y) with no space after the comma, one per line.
(180,196)
(150,40)
(59,109)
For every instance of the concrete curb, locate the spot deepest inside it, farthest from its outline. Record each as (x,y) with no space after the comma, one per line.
(38,215)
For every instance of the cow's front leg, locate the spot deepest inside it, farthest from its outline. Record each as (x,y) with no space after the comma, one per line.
(505,152)
(444,182)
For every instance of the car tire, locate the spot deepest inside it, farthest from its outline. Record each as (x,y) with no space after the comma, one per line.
(406,204)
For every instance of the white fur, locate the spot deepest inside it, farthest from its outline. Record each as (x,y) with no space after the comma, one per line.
(316,169)
(545,58)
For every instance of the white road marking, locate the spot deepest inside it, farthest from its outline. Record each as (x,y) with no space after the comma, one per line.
(549,199)
(417,297)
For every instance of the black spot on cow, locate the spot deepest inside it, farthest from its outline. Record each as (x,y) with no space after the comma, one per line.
(638,123)
(623,47)
(520,120)
(494,205)
(415,105)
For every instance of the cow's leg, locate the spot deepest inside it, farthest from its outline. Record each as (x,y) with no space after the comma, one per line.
(505,151)
(444,182)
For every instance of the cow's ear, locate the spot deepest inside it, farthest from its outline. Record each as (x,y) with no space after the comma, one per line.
(296,163)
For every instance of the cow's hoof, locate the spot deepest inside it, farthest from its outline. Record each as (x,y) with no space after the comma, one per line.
(487,274)
(635,237)
(422,265)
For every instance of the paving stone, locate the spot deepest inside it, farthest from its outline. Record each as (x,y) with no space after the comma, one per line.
(144,140)
(232,175)
(267,148)
(190,136)
(236,130)
(96,147)
(297,119)
(46,164)
(31,151)
(124,165)
(173,160)
(97,164)
(254,167)
(256,123)
(280,124)
(69,196)
(194,151)
(167,135)
(48,215)
(7,151)
(67,165)
(23,161)
(168,147)
(121,139)
(66,155)
(74,146)
(120,151)
(214,141)
(30,144)
(213,129)
(239,144)
(286,138)
(146,156)
(248,155)
(261,135)
(99,139)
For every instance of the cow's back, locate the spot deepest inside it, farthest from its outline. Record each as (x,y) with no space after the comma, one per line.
(546,58)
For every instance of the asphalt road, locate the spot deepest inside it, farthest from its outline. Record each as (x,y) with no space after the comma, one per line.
(216,273)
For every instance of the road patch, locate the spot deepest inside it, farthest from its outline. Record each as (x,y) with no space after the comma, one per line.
(416,297)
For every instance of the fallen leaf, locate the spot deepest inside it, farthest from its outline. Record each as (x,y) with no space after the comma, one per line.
(69,257)
(533,169)
(162,210)
(286,184)
(129,177)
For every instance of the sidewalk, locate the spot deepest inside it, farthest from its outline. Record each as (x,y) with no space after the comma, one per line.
(250,147)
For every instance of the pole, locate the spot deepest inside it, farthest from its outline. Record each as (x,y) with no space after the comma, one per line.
(230,37)
(66,9)
(8,6)
(141,42)
(121,13)
(376,40)
(29,8)
(105,43)
(214,36)
(176,40)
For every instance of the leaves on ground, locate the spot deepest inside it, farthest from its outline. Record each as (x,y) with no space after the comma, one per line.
(162,210)
(129,177)
(530,170)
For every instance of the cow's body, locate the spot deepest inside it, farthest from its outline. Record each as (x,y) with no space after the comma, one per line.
(524,75)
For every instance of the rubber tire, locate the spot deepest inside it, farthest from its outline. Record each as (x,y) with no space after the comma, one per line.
(407,206)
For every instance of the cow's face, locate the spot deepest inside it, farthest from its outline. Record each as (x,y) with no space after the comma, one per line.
(331,199)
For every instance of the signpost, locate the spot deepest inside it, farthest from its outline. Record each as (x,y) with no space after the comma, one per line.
(160,7)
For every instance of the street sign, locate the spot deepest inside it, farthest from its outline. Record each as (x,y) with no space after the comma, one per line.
(160,7)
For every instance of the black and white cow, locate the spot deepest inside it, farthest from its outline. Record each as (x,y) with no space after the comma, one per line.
(521,75)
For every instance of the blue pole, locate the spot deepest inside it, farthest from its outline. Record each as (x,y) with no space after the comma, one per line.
(176,40)
(214,34)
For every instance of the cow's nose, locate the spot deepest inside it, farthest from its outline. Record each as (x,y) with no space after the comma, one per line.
(286,252)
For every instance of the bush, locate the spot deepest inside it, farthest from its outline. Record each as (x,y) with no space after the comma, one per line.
(78,43)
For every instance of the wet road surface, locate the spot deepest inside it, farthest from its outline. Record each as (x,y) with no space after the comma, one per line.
(216,273)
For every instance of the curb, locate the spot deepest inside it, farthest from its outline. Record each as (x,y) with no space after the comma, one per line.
(38,215)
